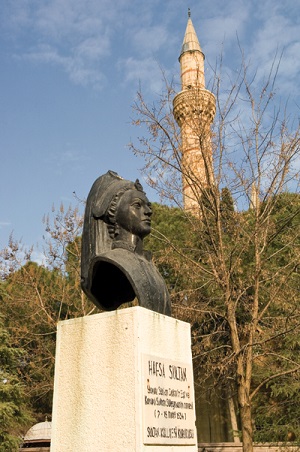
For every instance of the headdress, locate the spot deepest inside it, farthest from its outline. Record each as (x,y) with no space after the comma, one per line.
(105,189)
(96,240)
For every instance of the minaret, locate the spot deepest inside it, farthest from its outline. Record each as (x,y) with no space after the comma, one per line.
(194,110)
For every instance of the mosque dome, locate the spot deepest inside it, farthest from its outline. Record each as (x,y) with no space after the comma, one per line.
(38,437)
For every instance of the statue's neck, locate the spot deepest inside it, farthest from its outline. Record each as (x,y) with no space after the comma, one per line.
(128,241)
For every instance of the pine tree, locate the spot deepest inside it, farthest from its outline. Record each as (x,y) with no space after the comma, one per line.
(14,413)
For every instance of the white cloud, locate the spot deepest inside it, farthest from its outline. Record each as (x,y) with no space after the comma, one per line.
(73,34)
(224,28)
(277,37)
(93,48)
(81,35)
(150,39)
(78,65)
(264,31)
(146,71)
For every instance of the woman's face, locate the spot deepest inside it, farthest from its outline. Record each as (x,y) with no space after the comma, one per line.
(134,213)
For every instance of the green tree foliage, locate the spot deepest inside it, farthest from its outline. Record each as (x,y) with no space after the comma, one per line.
(169,232)
(278,351)
(37,296)
(14,412)
(238,266)
(232,268)
(276,367)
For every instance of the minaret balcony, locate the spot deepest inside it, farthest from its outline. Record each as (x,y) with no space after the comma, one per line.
(195,101)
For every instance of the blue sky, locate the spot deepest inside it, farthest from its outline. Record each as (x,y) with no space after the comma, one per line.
(69,73)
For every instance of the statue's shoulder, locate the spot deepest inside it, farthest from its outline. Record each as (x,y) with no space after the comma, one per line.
(125,257)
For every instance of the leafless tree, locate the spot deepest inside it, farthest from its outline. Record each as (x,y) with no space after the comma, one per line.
(247,256)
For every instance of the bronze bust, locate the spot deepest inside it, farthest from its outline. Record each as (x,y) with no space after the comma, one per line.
(114,266)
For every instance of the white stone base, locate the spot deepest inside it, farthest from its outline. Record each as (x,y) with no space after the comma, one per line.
(123,382)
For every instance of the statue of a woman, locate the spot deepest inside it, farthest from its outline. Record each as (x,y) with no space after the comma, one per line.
(115,269)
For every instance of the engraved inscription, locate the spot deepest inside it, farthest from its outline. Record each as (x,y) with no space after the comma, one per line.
(168,402)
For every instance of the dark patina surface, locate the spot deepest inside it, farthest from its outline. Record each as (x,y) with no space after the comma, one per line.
(115,268)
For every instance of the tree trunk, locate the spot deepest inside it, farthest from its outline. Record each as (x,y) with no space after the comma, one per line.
(233,419)
(243,373)
(246,420)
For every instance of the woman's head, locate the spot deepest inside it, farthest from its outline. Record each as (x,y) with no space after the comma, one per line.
(134,213)
(129,210)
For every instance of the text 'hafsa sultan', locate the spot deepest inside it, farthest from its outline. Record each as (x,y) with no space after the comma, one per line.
(157,369)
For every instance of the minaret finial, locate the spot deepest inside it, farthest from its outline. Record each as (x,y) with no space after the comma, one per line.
(189,12)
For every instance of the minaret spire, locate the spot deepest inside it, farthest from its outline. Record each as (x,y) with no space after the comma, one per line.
(194,110)
(191,58)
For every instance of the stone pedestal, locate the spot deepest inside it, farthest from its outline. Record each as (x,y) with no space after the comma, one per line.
(123,382)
